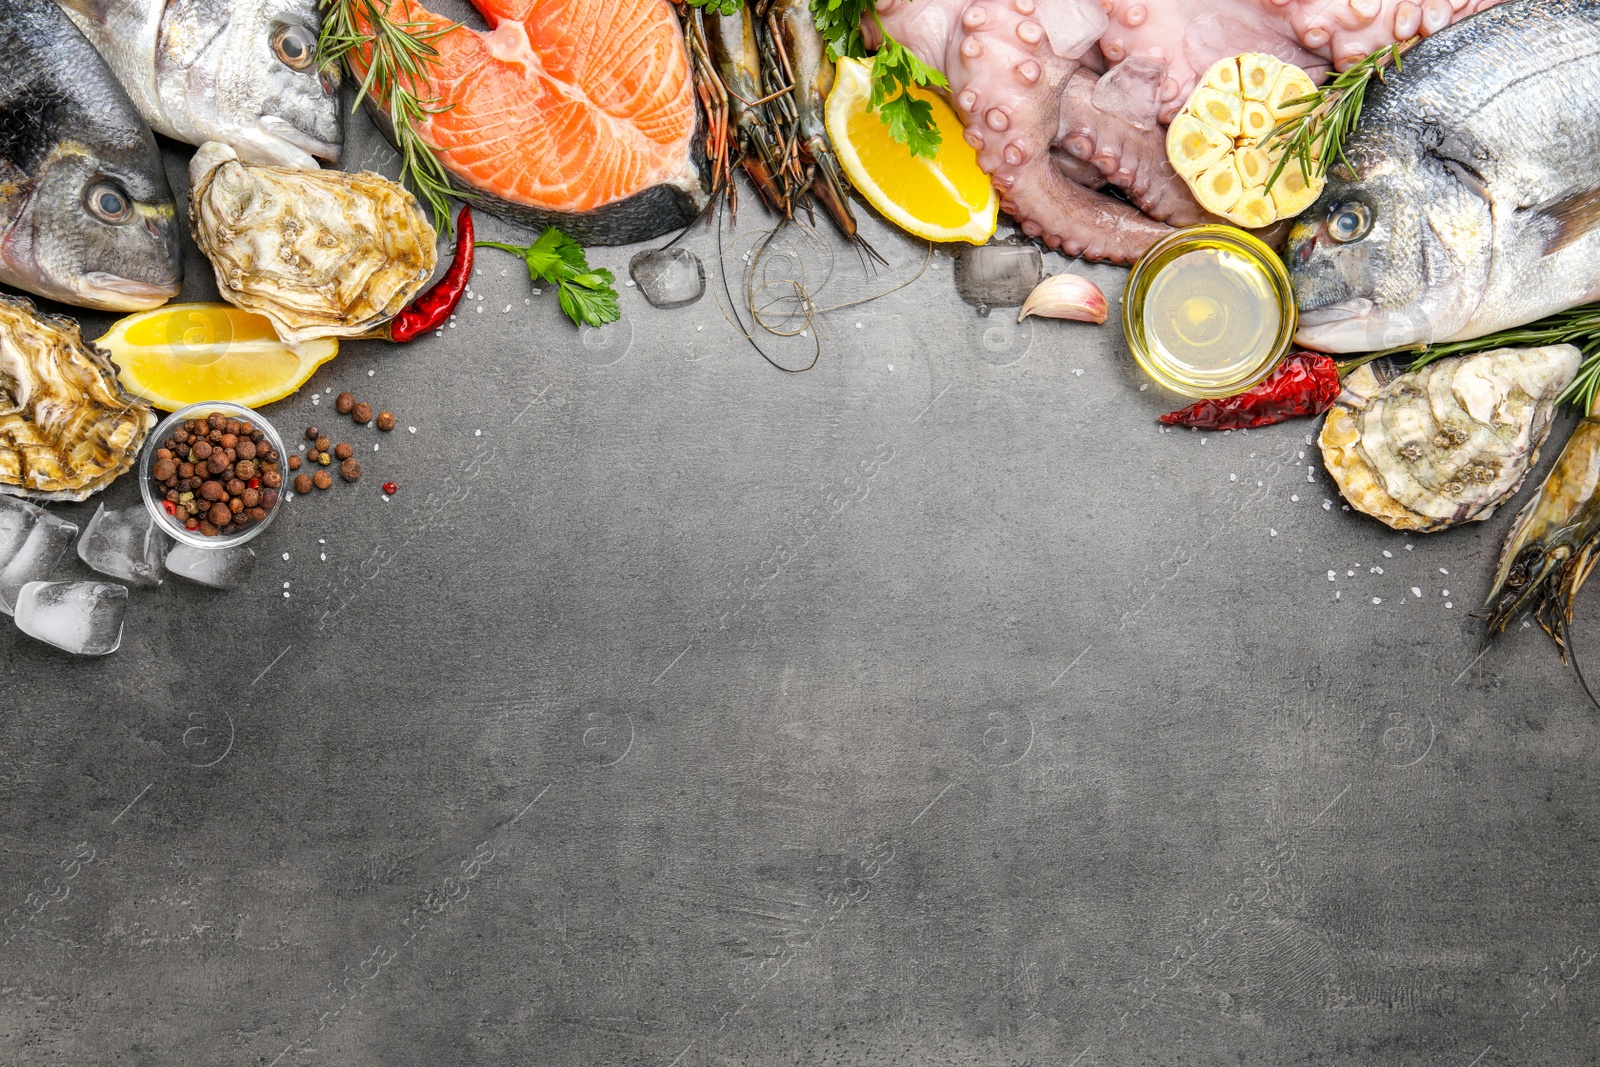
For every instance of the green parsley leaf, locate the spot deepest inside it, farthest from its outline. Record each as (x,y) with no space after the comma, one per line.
(719,7)
(894,71)
(586,294)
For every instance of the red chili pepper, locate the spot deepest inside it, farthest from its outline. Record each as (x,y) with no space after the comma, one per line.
(169,507)
(431,309)
(390,488)
(1305,383)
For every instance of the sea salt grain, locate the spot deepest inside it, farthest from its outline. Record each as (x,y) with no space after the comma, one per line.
(412,429)
(1387,554)
(1233,477)
(1377,600)
(1444,592)
(1416,592)
(286,557)
(1333,576)
(1327,505)
(1295,497)
(1443,571)
(1274,533)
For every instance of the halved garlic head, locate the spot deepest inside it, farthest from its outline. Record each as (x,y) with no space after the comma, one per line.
(1214,141)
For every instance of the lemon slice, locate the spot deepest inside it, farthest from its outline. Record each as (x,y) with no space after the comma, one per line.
(946,198)
(185,353)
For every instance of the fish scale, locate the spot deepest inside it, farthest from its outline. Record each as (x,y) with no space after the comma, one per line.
(1478,165)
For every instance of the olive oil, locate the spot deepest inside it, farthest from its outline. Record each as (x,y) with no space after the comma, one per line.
(1209,311)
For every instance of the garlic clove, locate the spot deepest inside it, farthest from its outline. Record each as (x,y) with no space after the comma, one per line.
(1066,296)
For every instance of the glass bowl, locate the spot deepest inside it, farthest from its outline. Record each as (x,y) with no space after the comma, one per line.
(1209,311)
(153,500)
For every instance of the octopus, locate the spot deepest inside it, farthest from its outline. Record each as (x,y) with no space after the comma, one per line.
(1066,101)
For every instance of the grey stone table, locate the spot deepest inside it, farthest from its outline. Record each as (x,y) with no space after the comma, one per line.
(931,707)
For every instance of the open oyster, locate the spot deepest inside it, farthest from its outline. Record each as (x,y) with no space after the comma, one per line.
(319,252)
(1447,444)
(67,429)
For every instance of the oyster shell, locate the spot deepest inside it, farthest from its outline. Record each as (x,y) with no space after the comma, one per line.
(319,252)
(1448,444)
(67,429)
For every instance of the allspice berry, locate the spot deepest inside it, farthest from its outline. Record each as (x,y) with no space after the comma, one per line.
(294,463)
(385,421)
(302,484)
(311,433)
(322,480)
(343,450)
(343,403)
(362,412)
(323,444)
(350,470)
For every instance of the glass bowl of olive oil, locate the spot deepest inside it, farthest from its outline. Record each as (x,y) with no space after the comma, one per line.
(1209,311)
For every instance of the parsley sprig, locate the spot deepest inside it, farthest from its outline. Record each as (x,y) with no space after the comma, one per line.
(895,70)
(586,293)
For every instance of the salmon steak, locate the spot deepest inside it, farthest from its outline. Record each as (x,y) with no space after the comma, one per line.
(571,113)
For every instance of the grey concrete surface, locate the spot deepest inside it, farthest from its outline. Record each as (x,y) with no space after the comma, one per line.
(931,707)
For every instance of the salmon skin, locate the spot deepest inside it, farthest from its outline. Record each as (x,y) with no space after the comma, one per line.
(572,113)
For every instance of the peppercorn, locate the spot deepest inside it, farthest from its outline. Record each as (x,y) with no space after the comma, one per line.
(244,470)
(343,450)
(204,527)
(362,412)
(212,490)
(245,449)
(294,463)
(269,498)
(322,480)
(202,450)
(390,488)
(219,515)
(343,403)
(350,470)
(216,420)
(248,429)
(311,433)
(164,469)
(235,486)
(302,484)
(324,458)
(385,421)
(251,497)
(323,444)
(230,440)
(272,479)
(257,513)
(217,463)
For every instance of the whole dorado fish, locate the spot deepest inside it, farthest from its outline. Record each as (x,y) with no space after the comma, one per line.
(86,216)
(242,72)
(1477,206)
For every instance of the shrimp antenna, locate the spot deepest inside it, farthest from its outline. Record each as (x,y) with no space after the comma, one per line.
(1566,632)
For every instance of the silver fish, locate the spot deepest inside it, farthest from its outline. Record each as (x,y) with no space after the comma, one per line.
(1477,206)
(242,72)
(86,215)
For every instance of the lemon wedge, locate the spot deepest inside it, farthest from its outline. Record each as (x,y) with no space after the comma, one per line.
(185,353)
(946,198)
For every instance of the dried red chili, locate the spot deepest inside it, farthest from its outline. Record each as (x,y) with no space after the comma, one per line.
(430,310)
(1305,383)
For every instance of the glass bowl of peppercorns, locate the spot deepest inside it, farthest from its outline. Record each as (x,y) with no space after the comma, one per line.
(212,474)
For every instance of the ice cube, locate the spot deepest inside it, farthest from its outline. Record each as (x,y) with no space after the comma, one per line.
(1072,26)
(125,544)
(84,618)
(1131,91)
(48,539)
(669,277)
(16,519)
(220,568)
(998,275)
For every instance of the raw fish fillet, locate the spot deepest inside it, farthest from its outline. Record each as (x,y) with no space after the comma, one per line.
(573,113)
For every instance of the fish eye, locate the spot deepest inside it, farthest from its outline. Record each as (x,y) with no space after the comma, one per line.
(108,202)
(295,47)
(1349,221)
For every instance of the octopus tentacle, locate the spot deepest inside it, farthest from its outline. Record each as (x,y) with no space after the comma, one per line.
(1076,220)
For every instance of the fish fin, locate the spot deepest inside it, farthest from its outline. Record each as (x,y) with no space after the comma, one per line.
(1575,215)
(95,10)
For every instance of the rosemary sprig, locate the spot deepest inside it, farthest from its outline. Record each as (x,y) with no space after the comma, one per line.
(1579,326)
(1315,138)
(395,55)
